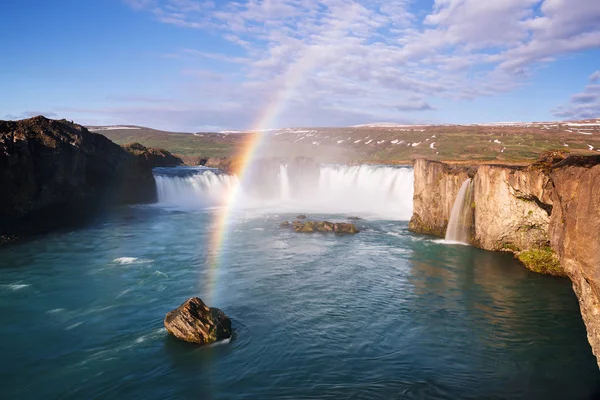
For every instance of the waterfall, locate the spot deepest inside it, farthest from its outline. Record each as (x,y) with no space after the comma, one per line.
(193,188)
(284,182)
(461,215)
(298,186)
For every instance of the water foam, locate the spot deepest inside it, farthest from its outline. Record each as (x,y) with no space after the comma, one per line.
(130,260)
(15,286)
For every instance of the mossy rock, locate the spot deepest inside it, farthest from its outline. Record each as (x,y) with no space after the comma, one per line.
(543,261)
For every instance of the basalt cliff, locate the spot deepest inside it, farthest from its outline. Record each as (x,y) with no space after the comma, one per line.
(547,213)
(54,173)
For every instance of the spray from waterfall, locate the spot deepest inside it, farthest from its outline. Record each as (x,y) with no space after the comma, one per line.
(461,217)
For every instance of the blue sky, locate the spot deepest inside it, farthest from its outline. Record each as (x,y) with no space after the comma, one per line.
(198,64)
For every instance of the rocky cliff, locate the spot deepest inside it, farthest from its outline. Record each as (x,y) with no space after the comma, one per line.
(547,213)
(436,187)
(575,234)
(55,172)
(154,157)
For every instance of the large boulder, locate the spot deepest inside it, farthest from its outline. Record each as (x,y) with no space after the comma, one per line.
(195,322)
(53,173)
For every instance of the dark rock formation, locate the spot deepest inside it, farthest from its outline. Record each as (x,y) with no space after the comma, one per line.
(53,173)
(194,322)
(301,216)
(154,157)
(341,228)
(547,213)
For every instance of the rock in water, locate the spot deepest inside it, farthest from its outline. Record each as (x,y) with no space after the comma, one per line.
(340,228)
(344,228)
(195,322)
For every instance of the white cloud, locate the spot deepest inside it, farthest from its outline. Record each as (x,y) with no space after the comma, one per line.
(583,105)
(371,57)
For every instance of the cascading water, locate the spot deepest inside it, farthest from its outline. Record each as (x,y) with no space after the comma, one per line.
(304,187)
(284,182)
(192,187)
(461,215)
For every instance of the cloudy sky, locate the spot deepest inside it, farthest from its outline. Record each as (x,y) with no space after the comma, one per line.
(201,64)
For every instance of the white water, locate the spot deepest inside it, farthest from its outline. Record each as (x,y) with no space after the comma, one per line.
(460,217)
(366,191)
(204,189)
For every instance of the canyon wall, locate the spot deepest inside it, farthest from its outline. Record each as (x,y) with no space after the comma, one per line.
(547,213)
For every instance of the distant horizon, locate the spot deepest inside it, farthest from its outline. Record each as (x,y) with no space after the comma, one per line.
(197,65)
(124,126)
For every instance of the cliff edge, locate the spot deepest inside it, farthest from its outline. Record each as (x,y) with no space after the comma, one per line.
(547,213)
(53,173)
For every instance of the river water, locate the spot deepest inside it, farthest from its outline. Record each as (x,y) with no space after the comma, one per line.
(378,315)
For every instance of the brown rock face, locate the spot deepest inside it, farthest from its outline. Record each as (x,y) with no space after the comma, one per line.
(194,322)
(53,173)
(512,208)
(575,235)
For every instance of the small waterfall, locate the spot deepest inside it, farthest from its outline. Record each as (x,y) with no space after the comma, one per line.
(461,215)
(284,182)
(298,186)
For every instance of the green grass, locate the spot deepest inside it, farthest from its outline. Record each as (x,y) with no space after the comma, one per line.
(452,143)
(543,261)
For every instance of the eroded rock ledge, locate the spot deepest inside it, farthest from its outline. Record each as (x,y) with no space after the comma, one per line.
(548,213)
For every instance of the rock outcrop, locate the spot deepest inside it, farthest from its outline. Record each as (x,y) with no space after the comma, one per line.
(54,173)
(304,226)
(195,322)
(575,234)
(547,213)
(225,164)
(154,157)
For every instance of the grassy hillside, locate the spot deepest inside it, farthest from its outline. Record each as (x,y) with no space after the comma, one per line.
(385,144)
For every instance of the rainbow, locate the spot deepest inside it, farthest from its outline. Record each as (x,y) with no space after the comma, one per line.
(264,121)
